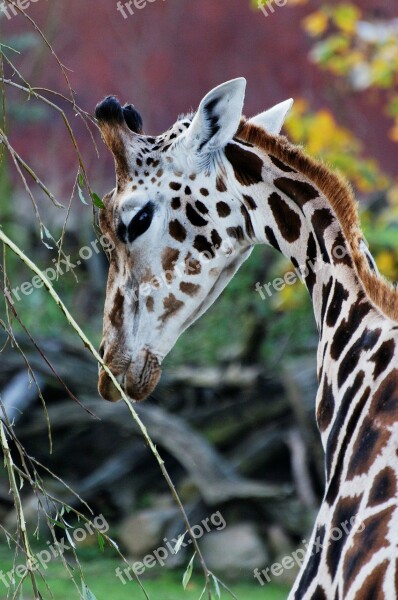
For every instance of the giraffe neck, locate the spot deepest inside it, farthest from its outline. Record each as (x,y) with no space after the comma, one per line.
(297,219)
(351,548)
(321,188)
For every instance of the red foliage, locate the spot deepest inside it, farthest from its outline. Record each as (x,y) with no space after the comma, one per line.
(166,56)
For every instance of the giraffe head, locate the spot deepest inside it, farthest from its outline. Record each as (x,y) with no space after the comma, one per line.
(179,225)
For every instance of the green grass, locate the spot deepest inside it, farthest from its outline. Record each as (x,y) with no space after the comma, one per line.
(102,581)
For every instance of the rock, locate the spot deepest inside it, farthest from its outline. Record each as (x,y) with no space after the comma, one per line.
(235,548)
(143,532)
(279,542)
(285,554)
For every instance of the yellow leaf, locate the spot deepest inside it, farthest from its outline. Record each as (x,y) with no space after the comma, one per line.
(392,194)
(394,132)
(321,132)
(316,23)
(345,17)
(387,263)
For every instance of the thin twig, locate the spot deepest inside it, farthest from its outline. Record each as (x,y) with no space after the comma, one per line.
(19,509)
(30,91)
(28,169)
(45,40)
(40,351)
(26,260)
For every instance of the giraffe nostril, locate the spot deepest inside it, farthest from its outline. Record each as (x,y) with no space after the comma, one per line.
(101,351)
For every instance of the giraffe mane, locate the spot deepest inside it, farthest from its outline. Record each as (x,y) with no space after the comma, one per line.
(341,198)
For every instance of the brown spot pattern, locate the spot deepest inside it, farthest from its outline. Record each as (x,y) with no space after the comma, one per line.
(344,517)
(236,233)
(248,223)
(215,239)
(171,306)
(287,220)
(300,192)
(374,433)
(220,184)
(325,407)
(147,275)
(116,314)
(319,594)
(192,266)
(177,230)
(250,203)
(281,165)
(194,217)
(382,357)
(365,544)
(169,258)
(270,235)
(149,302)
(372,588)
(384,487)
(223,210)
(201,207)
(202,244)
(191,289)
(340,254)
(247,165)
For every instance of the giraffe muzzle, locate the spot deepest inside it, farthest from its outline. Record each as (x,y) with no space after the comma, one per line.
(138,381)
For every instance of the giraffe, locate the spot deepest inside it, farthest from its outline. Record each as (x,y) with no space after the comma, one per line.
(186,212)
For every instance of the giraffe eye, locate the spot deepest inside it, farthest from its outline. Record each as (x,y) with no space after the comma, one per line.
(138,224)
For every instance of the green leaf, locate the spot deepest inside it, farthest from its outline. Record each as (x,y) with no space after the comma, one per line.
(97,200)
(188,573)
(101,541)
(203,593)
(87,593)
(56,523)
(80,181)
(215,581)
(70,540)
(81,195)
(114,544)
(179,543)
(45,232)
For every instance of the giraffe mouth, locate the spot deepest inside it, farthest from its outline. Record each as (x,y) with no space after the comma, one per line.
(138,381)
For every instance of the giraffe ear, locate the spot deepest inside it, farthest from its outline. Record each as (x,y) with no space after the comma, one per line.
(218,117)
(272,120)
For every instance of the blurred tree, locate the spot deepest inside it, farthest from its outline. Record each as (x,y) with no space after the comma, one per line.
(365,53)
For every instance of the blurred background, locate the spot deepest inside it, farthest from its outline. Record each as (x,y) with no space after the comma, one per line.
(233,416)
